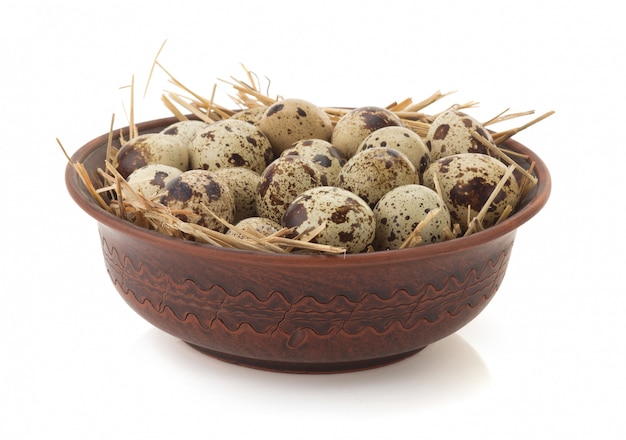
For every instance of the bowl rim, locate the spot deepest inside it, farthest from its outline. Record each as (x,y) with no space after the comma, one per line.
(89,205)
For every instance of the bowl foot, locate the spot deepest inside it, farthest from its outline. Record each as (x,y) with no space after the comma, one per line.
(306,368)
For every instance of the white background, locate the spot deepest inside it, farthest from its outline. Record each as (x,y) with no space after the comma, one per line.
(544,360)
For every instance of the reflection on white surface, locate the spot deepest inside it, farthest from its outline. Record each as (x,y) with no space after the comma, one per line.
(442,372)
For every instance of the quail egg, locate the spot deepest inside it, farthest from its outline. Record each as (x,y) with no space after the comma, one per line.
(194,194)
(290,120)
(259,226)
(250,115)
(466,182)
(402,139)
(230,143)
(400,211)
(353,127)
(450,133)
(373,172)
(322,153)
(185,130)
(151,148)
(243,183)
(282,181)
(151,179)
(349,221)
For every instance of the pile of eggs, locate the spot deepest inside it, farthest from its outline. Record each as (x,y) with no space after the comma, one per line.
(367,179)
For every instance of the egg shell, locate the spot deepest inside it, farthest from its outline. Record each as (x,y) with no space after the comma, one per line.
(250,115)
(402,139)
(151,148)
(196,190)
(243,183)
(151,179)
(282,181)
(230,143)
(320,152)
(353,127)
(349,221)
(185,130)
(290,120)
(374,171)
(399,212)
(450,133)
(469,179)
(256,226)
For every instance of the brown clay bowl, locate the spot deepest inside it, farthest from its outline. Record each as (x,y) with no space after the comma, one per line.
(299,313)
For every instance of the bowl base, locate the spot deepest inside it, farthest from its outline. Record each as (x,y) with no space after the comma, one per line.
(306,368)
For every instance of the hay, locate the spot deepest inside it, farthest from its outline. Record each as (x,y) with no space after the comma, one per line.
(117,196)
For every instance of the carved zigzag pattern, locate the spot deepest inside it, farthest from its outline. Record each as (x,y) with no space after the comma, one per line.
(184,299)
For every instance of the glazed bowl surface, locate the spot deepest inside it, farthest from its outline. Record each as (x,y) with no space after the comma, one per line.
(303,313)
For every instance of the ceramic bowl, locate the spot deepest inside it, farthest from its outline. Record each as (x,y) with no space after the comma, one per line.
(303,313)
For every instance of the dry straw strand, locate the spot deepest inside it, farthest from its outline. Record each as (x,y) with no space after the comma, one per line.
(414,237)
(501,137)
(154,64)
(498,152)
(477,222)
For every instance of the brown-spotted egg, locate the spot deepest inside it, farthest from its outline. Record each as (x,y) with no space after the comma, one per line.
(256,226)
(185,130)
(151,148)
(374,171)
(151,179)
(400,211)
(451,133)
(194,194)
(402,139)
(290,120)
(250,115)
(320,152)
(466,182)
(353,127)
(349,221)
(230,143)
(282,181)
(243,183)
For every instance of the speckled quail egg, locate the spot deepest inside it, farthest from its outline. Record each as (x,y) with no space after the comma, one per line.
(353,127)
(468,180)
(151,179)
(402,139)
(450,133)
(290,120)
(258,226)
(151,148)
(400,211)
(282,181)
(243,183)
(349,221)
(322,153)
(373,172)
(250,115)
(230,143)
(185,130)
(196,191)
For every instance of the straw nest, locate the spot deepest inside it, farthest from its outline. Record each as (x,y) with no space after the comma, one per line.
(113,193)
